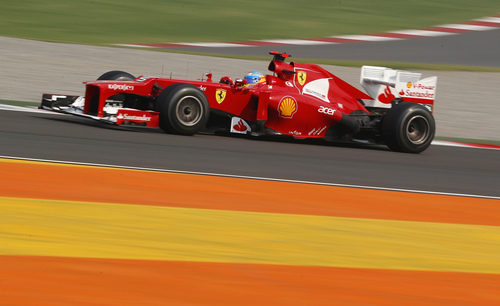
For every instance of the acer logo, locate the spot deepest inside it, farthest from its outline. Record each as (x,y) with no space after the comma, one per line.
(326,110)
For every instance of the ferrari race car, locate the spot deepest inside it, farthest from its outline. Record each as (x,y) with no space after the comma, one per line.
(298,100)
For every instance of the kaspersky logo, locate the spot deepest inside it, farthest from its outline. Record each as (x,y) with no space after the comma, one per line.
(120,87)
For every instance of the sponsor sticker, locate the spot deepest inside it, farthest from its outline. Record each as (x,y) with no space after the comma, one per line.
(120,87)
(220,95)
(143,78)
(326,110)
(316,131)
(386,96)
(287,107)
(239,126)
(301,77)
(132,117)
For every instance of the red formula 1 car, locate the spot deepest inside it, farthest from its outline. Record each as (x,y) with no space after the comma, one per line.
(299,100)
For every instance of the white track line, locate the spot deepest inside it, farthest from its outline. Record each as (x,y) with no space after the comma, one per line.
(253,178)
(434,142)
(24,109)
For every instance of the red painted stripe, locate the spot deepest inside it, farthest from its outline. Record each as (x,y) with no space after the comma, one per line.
(418,100)
(480,145)
(447,30)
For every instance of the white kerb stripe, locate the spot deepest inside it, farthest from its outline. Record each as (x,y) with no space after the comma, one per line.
(470,27)
(134,46)
(422,33)
(296,42)
(489,19)
(366,37)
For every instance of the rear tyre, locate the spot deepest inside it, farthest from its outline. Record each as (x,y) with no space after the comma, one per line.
(408,127)
(183,109)
(116,75)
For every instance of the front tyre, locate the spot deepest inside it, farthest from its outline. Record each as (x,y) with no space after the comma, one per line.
(116,75)
(183,109)
(408,127)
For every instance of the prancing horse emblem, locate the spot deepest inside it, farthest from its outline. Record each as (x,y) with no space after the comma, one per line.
(301,77)
(220,95)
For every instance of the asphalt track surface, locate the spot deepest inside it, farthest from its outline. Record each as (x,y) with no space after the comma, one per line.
(68,138)
(471,48)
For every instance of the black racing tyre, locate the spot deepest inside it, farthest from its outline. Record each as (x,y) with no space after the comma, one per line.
(408,127)
(183,109)
(116,75)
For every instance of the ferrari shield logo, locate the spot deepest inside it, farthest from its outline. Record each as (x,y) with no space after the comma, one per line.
(301,77)
(220,95)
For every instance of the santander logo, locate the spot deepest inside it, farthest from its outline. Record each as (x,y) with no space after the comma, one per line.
(240,126)
(386,96)
(131,117)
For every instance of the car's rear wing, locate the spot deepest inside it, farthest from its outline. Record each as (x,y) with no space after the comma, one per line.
(385,85)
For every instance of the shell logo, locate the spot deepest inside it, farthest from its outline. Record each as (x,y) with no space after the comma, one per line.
(409,84)
(287,107)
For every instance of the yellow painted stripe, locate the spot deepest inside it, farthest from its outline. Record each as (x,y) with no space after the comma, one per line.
(84,229)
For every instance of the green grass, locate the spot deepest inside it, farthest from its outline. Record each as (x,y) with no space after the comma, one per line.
(20,103)
(160,21)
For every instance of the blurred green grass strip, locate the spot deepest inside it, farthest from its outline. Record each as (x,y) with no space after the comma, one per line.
(163,21)
(20,103)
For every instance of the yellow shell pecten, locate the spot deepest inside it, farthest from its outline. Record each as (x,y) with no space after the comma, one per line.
(287,107)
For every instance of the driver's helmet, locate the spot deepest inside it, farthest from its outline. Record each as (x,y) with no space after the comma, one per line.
(253,78)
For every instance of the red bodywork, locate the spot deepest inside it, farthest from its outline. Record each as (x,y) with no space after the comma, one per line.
(301,100)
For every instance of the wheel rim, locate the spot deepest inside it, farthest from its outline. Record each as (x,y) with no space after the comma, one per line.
(417,130)
(189,110)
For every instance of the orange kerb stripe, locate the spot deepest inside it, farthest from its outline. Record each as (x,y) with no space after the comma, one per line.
(82,183)
(75,281)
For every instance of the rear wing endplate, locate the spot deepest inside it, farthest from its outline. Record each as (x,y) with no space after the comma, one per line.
(385,85)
